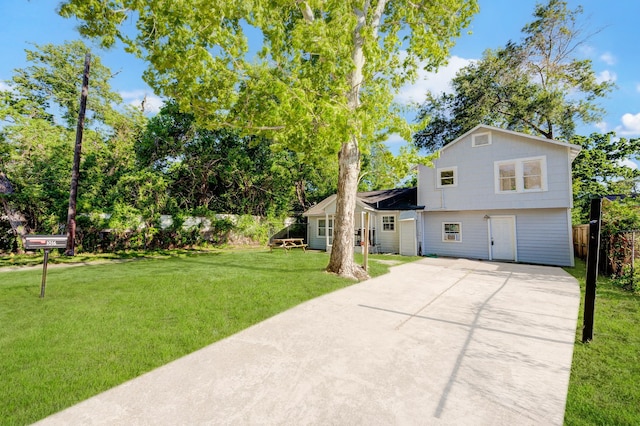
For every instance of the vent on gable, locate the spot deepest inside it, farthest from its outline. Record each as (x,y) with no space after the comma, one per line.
(481,139)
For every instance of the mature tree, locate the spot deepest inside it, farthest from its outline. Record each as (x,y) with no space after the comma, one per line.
(37,122)
(600,169)
(538,86)
(217,170)
(323,80)
(383,170)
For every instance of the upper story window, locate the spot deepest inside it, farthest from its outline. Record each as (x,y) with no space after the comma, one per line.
(447,176)
(481,139)
(388,223)
(521,175)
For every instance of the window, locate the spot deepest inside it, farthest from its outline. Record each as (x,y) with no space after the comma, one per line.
(481,139)
(522,175)
(322,228)
(447,177)
(451,232)
(532,174)
(507,177)
(388,223)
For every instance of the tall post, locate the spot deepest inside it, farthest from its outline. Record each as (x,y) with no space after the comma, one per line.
(592,269)
(365,245)
(75,173)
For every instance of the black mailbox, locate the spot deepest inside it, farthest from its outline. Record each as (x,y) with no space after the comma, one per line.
(36,242)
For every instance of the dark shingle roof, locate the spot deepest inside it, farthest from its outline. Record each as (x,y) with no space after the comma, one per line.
(391,199)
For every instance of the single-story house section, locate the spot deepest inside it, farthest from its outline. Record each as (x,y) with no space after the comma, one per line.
(393,216)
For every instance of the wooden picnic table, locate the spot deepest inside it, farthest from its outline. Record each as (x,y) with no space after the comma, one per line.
(288,243)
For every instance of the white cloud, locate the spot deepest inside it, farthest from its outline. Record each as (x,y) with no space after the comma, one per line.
(432,82)
(630,125)
(606,75)
(608,58)
(602,126)
(152,103)
(6,87)
(628,163)
(395,138)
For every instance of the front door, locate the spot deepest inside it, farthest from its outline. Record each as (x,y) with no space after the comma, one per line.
(503,237)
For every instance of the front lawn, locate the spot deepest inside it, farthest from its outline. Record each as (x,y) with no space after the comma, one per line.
(604,388)
(103,324)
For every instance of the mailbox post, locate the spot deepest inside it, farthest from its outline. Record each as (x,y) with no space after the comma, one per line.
(46,243)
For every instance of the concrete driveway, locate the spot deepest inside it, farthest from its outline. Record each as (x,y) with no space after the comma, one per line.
(438,341)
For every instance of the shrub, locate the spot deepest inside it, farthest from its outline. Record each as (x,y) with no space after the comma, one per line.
(628,279)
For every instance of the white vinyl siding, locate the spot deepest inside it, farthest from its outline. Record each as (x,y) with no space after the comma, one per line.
(476,176)
(543,235)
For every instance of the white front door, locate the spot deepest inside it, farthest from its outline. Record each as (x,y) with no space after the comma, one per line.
(502,237)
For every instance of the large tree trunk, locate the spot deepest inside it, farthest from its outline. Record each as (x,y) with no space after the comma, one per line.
(341,261)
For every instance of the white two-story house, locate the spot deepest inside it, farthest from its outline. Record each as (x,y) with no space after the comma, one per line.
(492,194)
(499,195)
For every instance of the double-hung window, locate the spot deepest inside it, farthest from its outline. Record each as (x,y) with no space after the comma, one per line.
(323,229)
(388,223)
(447,176)
(521,175)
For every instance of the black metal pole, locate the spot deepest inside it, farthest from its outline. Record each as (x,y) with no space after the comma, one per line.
(44,273)
(592,269)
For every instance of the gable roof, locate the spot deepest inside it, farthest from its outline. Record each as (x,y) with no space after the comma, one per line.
(574,150)
(386,199)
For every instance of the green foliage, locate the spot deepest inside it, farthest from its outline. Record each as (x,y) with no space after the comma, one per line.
(620,215)
(629,279)
(537,86)
(37,137)
(599,170)
(382,170)
(603,388)
(323,80)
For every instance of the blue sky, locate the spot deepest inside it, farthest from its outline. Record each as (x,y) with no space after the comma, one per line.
(614,50)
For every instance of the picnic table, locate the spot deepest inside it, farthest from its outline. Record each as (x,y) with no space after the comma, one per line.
(288,243)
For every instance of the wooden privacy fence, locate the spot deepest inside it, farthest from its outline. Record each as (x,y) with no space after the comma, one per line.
(580,241)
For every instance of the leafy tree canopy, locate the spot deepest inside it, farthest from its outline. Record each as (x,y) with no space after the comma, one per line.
(600,169)
(323,80)
(537,86)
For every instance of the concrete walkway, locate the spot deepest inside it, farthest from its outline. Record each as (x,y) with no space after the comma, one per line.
(438,341)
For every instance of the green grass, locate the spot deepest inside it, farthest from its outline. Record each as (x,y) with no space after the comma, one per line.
(604,388)
(103,324)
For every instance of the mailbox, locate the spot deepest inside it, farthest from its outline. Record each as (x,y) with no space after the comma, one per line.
(36,242)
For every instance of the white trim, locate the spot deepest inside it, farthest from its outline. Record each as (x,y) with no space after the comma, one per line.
(474,136)
(572,260)
(453,169)
(447,240)
(519,174)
